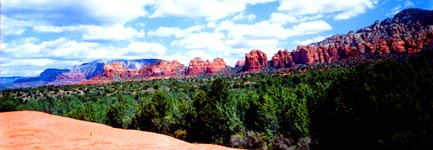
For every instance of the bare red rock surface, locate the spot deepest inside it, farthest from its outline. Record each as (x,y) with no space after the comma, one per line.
(255,61)
(215,66)
(282,59)
(37,130)
(240,63)
(198,66)
(115,69)
(162,68)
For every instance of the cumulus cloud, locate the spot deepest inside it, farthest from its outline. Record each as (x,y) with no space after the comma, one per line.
(309,41)
(209,9)
(12,26)
(174,31)
(144,49)
(83,10)
(203,41)
(342,8)
(242,16)
(114,32)
(311,27)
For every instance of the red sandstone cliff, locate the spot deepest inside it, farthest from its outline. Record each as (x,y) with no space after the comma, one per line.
(162,68)
(255,60)
(198,66)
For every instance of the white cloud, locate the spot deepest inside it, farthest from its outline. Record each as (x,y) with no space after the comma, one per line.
(117,11)
(111,11)
(309,41)
(212,42)
(114,32)
(311,27)
(344,9)
(282,18)
(140,49)
(174,31)
(242,16)
(12,26)
(58,29)
(210,9)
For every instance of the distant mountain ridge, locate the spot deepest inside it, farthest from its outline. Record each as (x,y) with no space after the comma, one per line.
(407,33)
(96,67)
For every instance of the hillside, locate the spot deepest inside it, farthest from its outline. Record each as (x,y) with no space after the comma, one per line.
(37,130)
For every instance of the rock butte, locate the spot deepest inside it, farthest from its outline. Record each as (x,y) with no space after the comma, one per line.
(198,66)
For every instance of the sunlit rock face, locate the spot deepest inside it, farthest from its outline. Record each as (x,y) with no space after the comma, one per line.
(198,66)
(255,61)
(162,68)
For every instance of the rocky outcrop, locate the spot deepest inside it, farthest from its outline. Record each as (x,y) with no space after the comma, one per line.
(255,61)
(408,32)
(198,66)
(215,66)
(240,63)
(162,68)
(115,70)
(282,59)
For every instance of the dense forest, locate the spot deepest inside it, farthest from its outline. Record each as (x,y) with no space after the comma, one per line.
(386,104)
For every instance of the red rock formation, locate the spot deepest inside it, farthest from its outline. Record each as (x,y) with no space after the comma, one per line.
(114,70)
(162,68)
(215,66)
(255,60)
(198,66)
(240,63)
(282,59)
(397,45)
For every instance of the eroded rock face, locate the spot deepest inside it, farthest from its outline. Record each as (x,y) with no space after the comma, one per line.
(240,63)
(282,59)
(115,70)
(255,60)
(215,66)
(162,68)
(198,66)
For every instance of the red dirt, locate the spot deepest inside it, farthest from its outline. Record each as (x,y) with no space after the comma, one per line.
(37,130)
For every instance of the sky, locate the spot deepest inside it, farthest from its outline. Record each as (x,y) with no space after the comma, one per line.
(40,34)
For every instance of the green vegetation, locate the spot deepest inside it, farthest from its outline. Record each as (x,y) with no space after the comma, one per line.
(387,104)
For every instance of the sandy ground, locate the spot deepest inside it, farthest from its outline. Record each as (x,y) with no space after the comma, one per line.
(36,130)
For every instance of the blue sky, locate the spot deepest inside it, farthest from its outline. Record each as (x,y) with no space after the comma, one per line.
(39,34)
